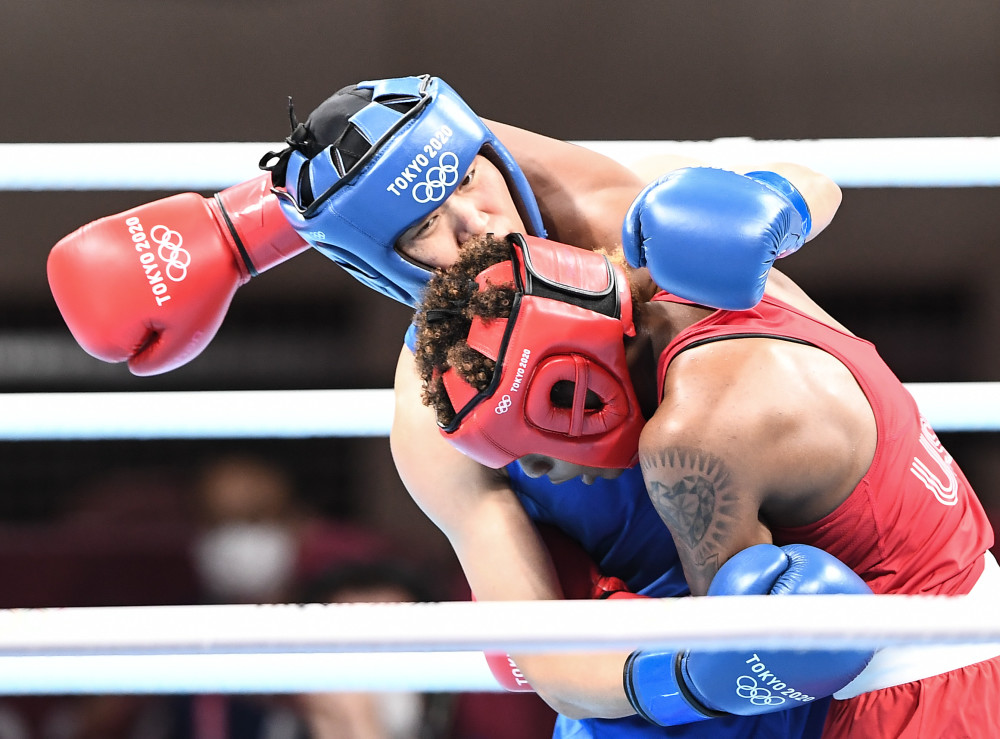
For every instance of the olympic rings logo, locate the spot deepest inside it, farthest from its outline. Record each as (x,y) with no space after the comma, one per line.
(747,688)
(437,180)
(503,406)
(169,246)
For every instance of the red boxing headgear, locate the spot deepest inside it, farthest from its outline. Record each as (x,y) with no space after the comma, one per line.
(571,313)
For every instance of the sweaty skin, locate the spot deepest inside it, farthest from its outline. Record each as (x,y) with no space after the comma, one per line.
(806,436)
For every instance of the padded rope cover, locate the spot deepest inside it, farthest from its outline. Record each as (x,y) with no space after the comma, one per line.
(572,310)
(421,138)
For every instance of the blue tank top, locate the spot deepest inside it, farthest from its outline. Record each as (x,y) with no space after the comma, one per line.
(615,524)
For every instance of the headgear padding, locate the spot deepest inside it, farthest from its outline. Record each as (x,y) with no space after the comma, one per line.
(572,310)
(414,139)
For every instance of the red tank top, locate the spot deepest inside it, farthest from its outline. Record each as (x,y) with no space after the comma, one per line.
(913,525)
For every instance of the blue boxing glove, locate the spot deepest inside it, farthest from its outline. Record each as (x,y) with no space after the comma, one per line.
(671,688)
(711,235)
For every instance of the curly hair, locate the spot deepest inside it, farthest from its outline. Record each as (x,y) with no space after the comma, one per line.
(450,302)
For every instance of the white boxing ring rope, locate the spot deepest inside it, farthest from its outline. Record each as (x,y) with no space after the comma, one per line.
(429,647)
(248,414)
(873,162)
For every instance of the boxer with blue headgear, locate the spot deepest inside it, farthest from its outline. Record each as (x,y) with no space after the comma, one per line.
(374,159)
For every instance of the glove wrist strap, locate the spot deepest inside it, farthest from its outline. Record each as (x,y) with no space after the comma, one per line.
(656,691)
(776,182)
(234,237)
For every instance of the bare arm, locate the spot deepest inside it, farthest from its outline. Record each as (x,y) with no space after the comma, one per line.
(696,485)
(751,432)
(583,195)
(498,547)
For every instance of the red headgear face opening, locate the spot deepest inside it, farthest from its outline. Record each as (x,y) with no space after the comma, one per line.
(561,387)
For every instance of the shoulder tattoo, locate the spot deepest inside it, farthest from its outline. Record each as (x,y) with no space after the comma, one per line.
(693,493)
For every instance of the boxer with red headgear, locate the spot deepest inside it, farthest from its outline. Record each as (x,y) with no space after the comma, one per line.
(780,453)
(560,362)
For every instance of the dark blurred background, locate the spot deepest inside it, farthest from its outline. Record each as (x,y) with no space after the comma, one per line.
(914,270)
(118,523)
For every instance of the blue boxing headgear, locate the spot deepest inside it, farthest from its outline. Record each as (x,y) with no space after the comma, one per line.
(376,158)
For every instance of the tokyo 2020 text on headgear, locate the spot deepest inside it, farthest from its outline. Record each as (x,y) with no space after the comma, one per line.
(571,313)
(376,158)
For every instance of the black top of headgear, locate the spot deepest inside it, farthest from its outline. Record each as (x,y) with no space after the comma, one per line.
(329,124)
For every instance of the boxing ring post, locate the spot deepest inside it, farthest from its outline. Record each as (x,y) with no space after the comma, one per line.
(433,646)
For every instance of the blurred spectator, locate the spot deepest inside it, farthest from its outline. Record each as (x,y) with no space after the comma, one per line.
(238,534)
(257,539)
(123,539)
(248,541)
(259,543)
(393,715)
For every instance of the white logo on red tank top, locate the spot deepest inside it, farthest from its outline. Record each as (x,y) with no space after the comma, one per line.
(943,486)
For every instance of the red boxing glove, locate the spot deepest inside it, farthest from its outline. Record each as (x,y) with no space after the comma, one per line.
(152,285)
(578,575)
(508,675)
(611,588)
